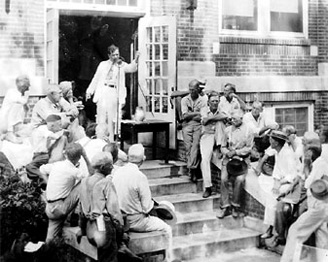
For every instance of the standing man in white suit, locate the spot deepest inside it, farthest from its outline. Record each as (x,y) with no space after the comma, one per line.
(108,88)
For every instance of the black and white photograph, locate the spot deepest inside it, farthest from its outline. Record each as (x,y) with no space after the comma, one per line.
(164,130)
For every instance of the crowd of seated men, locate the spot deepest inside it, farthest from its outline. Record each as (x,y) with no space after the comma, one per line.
(215,128)
(81,168)
(223,130)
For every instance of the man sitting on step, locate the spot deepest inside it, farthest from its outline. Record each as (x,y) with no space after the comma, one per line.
(237,144)
(134,196)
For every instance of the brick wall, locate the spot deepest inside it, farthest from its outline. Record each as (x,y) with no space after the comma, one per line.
(322,28)
(22,31)
(198,30)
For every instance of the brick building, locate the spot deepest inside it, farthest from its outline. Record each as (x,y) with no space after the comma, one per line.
(271,49)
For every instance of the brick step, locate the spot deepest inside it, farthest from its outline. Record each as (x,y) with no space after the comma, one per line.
(246,255)
(204,221)
(158,169)
(174,185)
(191,202)
(212,243)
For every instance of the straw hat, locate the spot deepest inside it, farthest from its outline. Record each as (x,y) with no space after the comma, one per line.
(319,188)
(166,211)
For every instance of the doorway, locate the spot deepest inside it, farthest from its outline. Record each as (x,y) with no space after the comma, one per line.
(83,43)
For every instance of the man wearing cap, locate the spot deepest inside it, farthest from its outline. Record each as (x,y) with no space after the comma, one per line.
(237,143)
(134,195)
(53,103)
(108,88)
(14,109)
(315,219)
(63,188)
(286,169)
(210,117)
(191,106)
(45,139)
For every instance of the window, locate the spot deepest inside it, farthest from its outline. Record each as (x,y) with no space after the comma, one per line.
(263,17)
(240,15)
(286,16)
(298,115)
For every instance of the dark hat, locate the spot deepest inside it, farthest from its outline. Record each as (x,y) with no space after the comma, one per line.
(165,210)
(319,188)
(267,167)
(236,167)
(53,118)
(279,135)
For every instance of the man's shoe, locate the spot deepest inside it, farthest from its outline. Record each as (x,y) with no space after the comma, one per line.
(222,212)
(279,241)
(267,234)
(235,212)
(208,192)
(124,251)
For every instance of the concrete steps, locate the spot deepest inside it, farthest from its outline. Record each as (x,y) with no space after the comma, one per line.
(211,243)
(198,234)
(191,202)
(155,169)
(172,185)
(203,221)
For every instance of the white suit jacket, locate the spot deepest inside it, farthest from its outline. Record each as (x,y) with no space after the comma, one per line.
(97,83)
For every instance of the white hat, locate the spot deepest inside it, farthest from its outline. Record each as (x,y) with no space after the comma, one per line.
(166,211)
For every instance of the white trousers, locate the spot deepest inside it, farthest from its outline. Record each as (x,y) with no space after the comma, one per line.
(207,142)
(107,108)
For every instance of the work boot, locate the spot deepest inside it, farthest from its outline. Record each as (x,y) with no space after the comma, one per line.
(235,212)
(268,233)
(222,212)
(208,192)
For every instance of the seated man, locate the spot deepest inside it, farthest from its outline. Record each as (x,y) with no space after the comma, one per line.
(119,156)
(236,142)
(315,219)
(260,124)
(91,143)
(101,219)
(134,196)
(47,139)
(208,140)
(53,103)
(296,194)
(191,106)
(63,188)
(14,109)
(286,169)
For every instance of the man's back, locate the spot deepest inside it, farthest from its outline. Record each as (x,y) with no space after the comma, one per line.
(133,190)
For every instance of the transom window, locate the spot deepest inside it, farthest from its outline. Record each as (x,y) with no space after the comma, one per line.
(263,17)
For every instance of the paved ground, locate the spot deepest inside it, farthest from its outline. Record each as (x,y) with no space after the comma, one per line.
(246,255)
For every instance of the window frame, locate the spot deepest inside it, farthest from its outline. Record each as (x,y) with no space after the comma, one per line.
(270,111)
(264,23)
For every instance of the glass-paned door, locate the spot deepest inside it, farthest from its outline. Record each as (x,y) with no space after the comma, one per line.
(52,45)
(157,68)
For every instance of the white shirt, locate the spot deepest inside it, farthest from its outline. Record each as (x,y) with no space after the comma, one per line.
(40,138)
(257,124)
(133,190)
(12,98)
(287,165)
(226,107)
(63,176)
